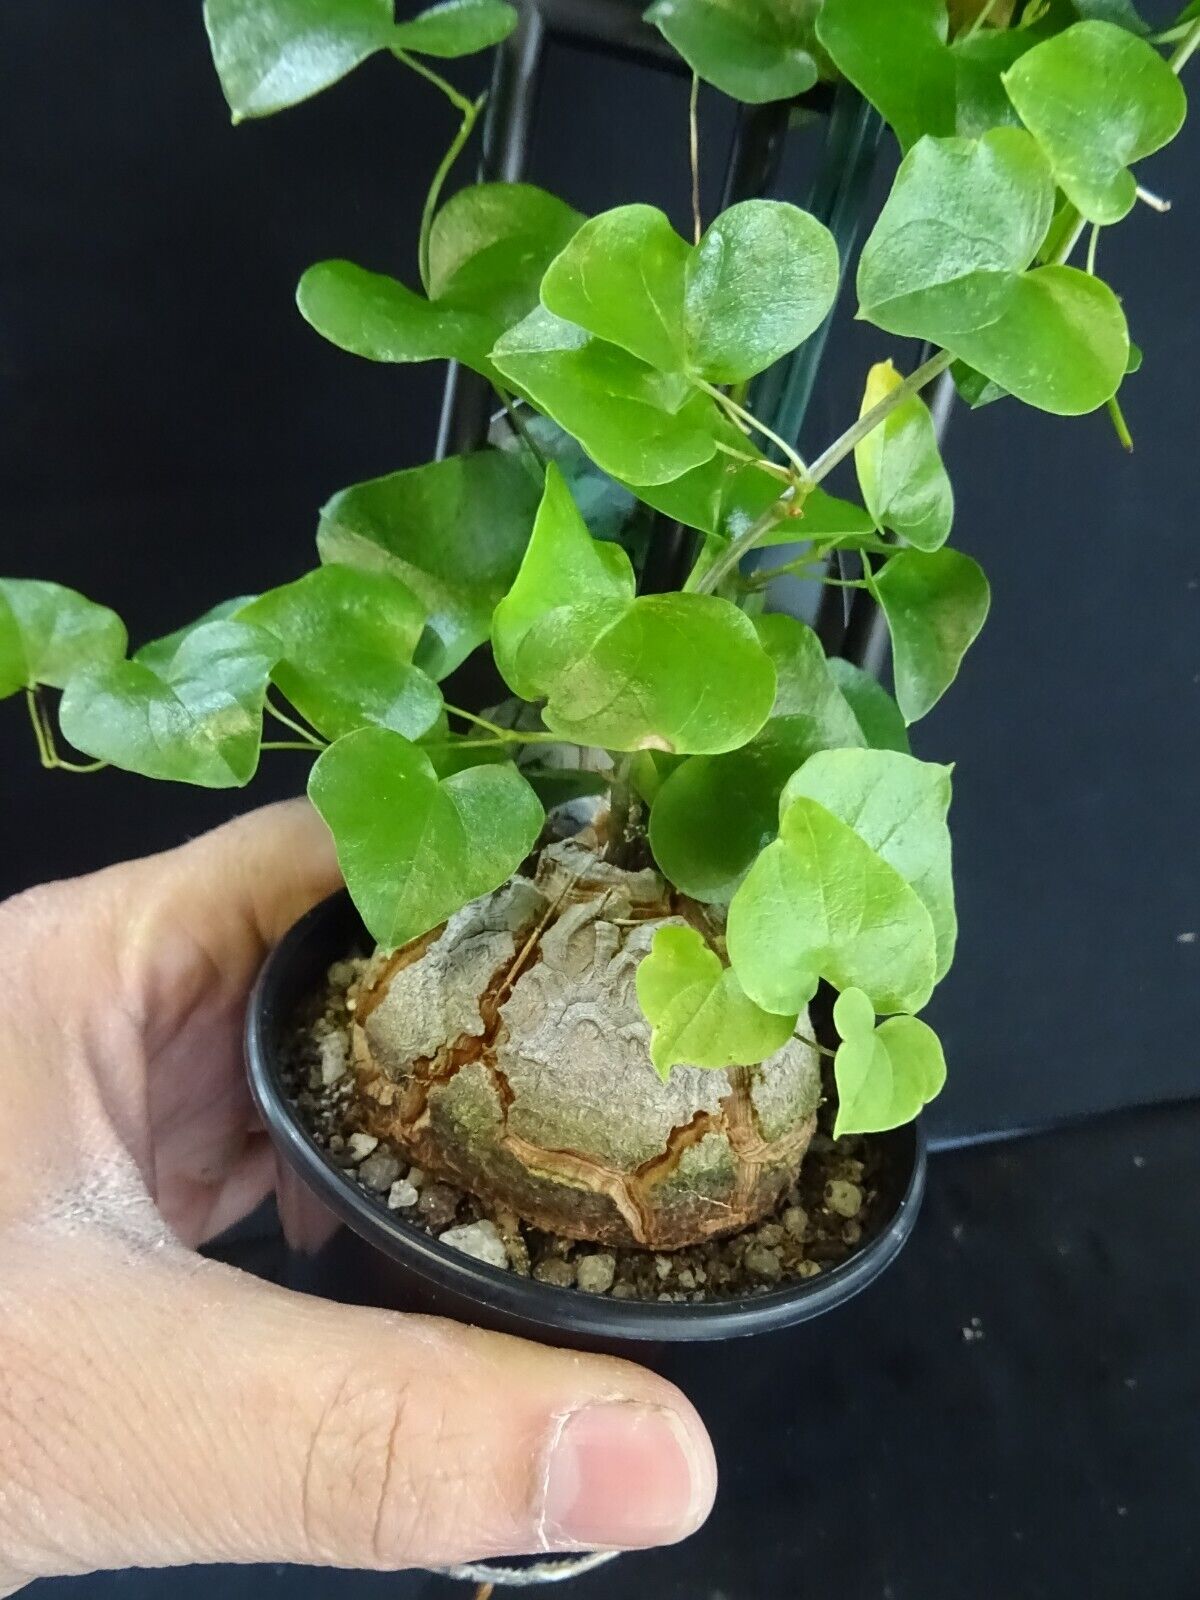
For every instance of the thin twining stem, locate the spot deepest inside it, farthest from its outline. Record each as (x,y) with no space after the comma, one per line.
(841,447)
(748,420)
(694,154)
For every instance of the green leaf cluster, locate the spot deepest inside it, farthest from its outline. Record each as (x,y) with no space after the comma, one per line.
(271,54)
(775,785)
(637,329)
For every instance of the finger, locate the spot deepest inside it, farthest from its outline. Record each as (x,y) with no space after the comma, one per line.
(204,1416)
(256,874)
(198,1209)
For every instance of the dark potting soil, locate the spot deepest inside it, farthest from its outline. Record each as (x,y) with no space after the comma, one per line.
(827,1214)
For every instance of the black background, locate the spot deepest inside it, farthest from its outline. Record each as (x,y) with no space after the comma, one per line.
(170,427)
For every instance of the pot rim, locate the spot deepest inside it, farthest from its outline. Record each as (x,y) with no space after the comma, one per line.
(539,1305)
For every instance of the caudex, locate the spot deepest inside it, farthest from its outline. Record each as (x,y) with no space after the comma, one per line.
(610,1033)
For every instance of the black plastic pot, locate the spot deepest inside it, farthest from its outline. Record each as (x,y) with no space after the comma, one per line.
(347,1246)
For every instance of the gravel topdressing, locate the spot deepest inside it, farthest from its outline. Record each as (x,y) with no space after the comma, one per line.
(821,1221)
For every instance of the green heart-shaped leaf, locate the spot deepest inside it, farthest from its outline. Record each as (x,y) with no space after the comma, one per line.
(1121,12)
(700,1014)
(606,505)
(374,316)
(947,262)
(48,633)
(721,496)
(563,565)
(820,903)
(270,54)
(900,467)
(414,849)
(490,245)
(196,720)
(642,425)
(980,62)
(683,673)
(964,219)
(974,388)
(1097,99)
(803,685)
(454,531)
(714,814)
(918,80)
(622,277)
(876,713)
(935,603)
(1061,342)
(901,64)
(898,806)
(158,653)
(753,50)
(761,280)
(346,639)
(456,28)
(884,1075)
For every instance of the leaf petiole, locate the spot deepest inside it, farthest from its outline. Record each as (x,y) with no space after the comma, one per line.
(44,734)
(803,567)
(310,738)
(517,423)
(1119,423)
(469,110)
(1093,242)
(503,735)
(773,467)
(39,731)
(821,1049)
(1185,49)
(747,419)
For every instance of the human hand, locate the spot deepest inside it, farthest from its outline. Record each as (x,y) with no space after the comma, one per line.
(158,1409)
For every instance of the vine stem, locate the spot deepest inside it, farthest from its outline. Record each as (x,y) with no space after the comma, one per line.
(981,19)
(841,447)
(694,155)
(870,420)
(469,110)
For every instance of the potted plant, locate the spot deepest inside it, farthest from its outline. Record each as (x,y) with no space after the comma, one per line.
(632,1049)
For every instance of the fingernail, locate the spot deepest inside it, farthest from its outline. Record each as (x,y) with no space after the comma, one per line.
(623,1475)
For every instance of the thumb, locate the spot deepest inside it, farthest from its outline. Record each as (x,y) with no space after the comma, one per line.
(198,1415)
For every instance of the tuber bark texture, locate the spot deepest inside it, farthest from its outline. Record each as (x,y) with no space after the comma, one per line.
(506,1052)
